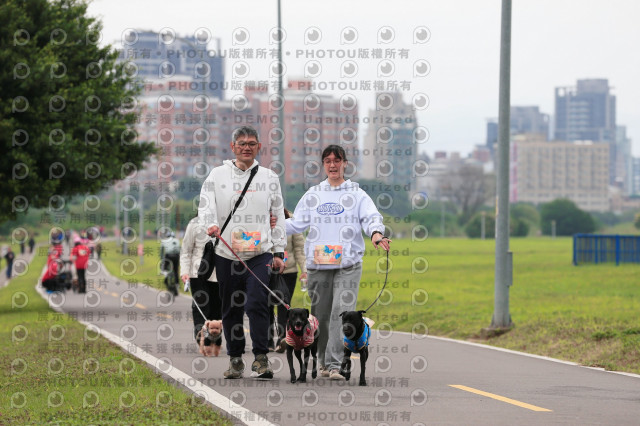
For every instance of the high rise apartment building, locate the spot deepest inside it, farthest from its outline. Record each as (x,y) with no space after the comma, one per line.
(587,112)
(542,171)
(522,119)
(164,55)
(390,149)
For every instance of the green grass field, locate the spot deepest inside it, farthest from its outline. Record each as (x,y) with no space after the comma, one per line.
(53,371)
(586,314)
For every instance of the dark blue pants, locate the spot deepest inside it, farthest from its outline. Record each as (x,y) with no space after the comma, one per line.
(241,292)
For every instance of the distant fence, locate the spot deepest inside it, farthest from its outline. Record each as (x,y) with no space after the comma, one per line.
(593,248)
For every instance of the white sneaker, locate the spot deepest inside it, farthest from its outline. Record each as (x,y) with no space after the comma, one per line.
(335,375)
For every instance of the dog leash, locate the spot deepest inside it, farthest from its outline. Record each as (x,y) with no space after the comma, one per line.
(282,302)
(385,280)
(187,286)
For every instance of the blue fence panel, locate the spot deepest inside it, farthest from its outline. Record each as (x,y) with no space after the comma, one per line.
(594,248)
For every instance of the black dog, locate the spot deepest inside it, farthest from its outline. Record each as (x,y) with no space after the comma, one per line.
(302,333)
(356,339)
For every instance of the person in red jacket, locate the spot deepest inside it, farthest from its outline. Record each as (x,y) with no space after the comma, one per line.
(49,279)
(80,254)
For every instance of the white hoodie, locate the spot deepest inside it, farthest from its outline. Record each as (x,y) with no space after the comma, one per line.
(336,217)
(248,231)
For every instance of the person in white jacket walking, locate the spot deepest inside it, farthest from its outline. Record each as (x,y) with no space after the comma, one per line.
(205,293)
(336,212)
(251,237)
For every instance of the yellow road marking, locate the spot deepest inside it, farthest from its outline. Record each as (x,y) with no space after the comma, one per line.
(161,315)
(500,398)
(138,305)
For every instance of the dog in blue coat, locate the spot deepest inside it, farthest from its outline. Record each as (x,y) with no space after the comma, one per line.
(356,332)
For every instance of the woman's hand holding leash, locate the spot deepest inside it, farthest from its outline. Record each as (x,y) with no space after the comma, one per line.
(378,240)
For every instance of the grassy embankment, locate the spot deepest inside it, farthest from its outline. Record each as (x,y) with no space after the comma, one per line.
(56,371)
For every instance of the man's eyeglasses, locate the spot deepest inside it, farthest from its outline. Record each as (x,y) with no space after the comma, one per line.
(246,144)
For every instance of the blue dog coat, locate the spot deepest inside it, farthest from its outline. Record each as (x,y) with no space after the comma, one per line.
(363,340)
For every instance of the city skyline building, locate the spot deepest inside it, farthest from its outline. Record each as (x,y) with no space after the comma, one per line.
(624,161)
(587,112)
(390,148)
(165,55)
(542,171)
(523,119)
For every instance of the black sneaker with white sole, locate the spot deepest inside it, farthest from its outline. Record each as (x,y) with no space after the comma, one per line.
(261,368)
(236,368)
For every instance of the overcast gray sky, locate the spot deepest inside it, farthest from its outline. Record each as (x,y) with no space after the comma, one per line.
(554,43)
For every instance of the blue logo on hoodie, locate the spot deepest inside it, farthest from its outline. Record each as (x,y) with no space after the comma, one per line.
(330,209)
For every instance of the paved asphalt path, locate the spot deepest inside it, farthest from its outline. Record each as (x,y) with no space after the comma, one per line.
(412,379)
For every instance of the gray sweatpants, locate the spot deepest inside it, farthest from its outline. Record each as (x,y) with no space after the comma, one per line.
(332,291)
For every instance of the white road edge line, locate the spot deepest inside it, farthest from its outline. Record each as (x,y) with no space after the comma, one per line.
(211,396)
(510,351)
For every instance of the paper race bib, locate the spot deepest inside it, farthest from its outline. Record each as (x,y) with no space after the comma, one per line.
(327,255)
(245,241)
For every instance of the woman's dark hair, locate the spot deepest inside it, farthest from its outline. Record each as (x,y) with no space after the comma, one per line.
(336,150)
(287,214)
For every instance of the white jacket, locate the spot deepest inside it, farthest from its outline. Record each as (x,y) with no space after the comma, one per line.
(336,218)
(248,232)
(195,237)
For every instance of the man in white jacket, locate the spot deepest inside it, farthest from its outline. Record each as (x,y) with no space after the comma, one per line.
(251,237)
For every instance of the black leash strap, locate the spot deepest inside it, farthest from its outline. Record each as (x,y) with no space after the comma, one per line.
(385,281)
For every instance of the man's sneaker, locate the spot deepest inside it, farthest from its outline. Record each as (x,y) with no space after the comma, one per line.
(260,369)
(335,375)
(324,372)
(236,368)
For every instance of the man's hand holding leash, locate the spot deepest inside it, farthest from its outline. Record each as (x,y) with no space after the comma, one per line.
(278,264)
(213,231)
(378,240)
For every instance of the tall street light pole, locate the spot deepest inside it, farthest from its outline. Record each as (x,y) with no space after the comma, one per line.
(281,110)
(504,260)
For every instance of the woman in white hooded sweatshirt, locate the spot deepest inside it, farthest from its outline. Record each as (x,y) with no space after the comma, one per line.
(335,212)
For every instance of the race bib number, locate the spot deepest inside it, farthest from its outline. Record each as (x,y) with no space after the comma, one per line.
(327,255)
(245,241)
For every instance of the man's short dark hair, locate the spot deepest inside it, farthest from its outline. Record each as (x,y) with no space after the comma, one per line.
(336,150)
(246,131)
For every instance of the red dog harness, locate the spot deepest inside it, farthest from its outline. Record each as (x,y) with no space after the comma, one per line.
(301,342)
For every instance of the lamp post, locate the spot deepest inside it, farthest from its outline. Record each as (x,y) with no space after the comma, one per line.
(281,110)
(504,260)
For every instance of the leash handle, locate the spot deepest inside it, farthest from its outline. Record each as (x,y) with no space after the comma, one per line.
(385,280)
(282,302)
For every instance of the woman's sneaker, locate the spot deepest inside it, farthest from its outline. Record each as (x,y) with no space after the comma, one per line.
(323,371)
(236,368)
(335,375)
(260,369)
